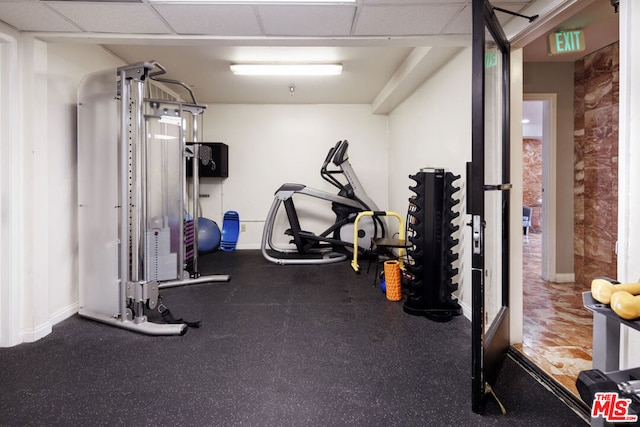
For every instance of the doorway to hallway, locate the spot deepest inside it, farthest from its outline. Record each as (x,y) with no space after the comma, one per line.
(557,329)
(539,178)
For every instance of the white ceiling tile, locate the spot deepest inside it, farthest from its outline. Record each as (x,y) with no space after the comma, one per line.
(461,23)
(226,20)
(33,16)
(403,20)
(408,2)
(307,20)
(112,18)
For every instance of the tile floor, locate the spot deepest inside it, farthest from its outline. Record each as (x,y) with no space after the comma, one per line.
(558,330)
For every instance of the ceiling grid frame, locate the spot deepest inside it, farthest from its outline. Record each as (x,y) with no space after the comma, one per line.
(374,47)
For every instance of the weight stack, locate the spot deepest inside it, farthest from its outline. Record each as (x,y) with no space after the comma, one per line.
(189,245)
(430,230)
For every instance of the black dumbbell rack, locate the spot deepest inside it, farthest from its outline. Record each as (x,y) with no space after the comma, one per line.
(430,229)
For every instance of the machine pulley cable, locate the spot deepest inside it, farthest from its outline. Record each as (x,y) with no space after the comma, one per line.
(168,316)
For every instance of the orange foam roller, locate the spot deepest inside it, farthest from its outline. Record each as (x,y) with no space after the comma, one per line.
(393,281)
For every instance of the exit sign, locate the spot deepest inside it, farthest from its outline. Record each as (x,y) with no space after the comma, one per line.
(567,42)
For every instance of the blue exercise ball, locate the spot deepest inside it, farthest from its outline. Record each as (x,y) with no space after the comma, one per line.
(208,235)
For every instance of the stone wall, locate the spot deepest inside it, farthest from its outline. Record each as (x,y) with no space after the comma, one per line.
(532,180)
(596,164)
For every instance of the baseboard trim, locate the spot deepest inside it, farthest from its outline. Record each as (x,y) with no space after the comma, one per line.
(44,329)
(40,331)
(466,310)
(248,246)
(64,313)
(564,278)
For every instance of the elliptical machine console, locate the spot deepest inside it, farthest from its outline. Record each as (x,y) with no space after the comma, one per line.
(334,243)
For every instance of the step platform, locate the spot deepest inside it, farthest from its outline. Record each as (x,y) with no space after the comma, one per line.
(230,231)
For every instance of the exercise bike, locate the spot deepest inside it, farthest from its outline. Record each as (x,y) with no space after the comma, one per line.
(335,243)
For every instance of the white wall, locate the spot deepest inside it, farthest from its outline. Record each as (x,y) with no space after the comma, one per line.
(433,128)
(11,201)
(270,145)
(34,302)
(47,289)
(629,167)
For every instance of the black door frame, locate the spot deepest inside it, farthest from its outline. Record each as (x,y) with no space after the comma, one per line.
(488,348)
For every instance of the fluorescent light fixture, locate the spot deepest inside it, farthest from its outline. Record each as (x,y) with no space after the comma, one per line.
(286,69)
(525,121)
(250,1)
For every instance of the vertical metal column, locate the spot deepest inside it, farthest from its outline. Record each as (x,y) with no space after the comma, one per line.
(195,162)
(132,170)
(196,111)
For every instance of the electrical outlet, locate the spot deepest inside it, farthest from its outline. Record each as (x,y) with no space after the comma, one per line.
(243,228)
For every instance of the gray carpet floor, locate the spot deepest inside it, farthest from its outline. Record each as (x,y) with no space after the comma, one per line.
(278,346)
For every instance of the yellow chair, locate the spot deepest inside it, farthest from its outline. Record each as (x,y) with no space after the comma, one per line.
(380,242)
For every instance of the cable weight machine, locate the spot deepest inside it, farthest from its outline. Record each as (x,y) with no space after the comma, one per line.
(131,193)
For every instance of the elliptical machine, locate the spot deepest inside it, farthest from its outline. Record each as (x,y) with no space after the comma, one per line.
(336,242)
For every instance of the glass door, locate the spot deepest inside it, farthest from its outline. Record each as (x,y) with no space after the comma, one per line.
(488,198)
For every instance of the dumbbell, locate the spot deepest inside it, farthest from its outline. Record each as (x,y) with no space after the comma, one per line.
(595,381)
(602,288)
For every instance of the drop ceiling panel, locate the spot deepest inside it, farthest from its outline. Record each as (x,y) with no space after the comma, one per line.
(197,42)
(413,2)
(33,16)
(221,20)
(303,20)
(461,23)
(112,18)
(404,20)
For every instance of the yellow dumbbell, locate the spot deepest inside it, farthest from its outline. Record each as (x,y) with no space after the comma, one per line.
(602,289)
(625,305)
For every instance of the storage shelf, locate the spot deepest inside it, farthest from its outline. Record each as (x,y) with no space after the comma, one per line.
(604,309)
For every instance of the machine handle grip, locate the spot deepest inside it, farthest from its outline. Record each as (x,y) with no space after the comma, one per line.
(341,153)
(332,150)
